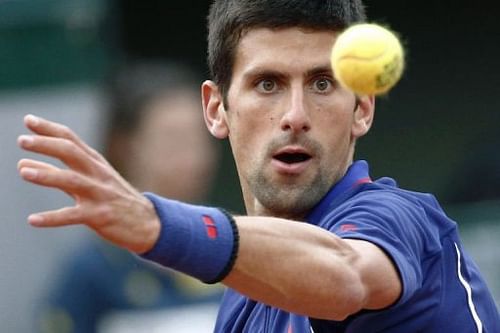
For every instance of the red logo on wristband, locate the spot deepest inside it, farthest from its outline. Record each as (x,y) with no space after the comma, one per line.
(210,226)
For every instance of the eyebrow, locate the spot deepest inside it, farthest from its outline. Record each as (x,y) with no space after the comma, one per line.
(257,72)
(323,69)
(261,73)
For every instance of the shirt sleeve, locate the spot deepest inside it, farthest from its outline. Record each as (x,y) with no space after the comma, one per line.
(393,223)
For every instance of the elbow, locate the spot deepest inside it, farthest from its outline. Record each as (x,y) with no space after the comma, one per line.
(350,299)
(345,292)
(353,302)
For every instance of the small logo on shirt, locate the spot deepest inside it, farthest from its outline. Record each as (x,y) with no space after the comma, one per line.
(348,227)
(363,181)
(210,226)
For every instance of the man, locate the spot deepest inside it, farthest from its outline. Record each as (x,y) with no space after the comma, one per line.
(151,105)
(367,257)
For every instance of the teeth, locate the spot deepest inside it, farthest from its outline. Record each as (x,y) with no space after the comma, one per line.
(293,158)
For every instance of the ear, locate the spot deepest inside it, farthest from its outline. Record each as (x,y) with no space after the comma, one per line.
(213,110)
(363,116)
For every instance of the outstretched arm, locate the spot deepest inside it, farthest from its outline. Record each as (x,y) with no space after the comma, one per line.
(295,266)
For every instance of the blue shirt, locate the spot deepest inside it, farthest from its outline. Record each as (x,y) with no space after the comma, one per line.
(442,287)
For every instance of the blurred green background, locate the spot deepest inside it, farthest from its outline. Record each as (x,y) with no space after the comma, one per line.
(444,109)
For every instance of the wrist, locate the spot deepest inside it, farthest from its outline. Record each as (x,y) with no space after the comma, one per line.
(151,229)
(196,240)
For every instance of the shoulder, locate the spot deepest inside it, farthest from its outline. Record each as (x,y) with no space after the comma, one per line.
(385,191)
(385,199)
(382,210)
(381,200)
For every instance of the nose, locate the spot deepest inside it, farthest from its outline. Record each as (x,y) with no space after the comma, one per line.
(296,117)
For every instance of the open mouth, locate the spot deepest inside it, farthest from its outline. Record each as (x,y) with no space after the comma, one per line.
(291,158)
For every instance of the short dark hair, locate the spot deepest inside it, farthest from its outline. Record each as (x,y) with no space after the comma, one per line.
(134,86)
(228,20)
(130,90)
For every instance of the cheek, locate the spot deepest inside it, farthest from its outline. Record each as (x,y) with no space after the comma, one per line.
(339,147)
(249,131)
(334,132)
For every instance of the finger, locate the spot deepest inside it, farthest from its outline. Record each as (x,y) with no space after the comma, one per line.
(57,218)
(66,151)
(50,128)
(29,163)
(69,181)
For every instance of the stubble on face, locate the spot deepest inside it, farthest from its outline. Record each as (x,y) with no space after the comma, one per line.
(290,196)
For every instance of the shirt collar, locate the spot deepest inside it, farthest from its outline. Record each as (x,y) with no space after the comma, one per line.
(357,173)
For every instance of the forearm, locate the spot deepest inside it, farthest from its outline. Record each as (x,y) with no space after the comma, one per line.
(291,265)
(296,267)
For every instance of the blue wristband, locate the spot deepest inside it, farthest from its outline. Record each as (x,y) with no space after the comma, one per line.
(196,240)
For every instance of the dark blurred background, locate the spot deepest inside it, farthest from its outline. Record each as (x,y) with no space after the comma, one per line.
(437,131)
(443,109)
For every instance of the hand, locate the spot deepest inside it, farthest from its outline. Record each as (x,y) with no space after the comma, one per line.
(104,201)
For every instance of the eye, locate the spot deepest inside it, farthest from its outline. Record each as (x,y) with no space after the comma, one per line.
(322,85)
(266,85)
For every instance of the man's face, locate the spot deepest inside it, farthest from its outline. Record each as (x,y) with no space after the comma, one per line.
(170,152)
(289,123)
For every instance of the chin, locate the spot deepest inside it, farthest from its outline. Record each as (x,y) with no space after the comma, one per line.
(288,205)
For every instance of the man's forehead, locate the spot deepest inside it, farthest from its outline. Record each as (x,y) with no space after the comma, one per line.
(264,49)
(285,29)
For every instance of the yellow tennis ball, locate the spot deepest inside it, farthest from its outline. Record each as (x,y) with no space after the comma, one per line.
(367,59)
